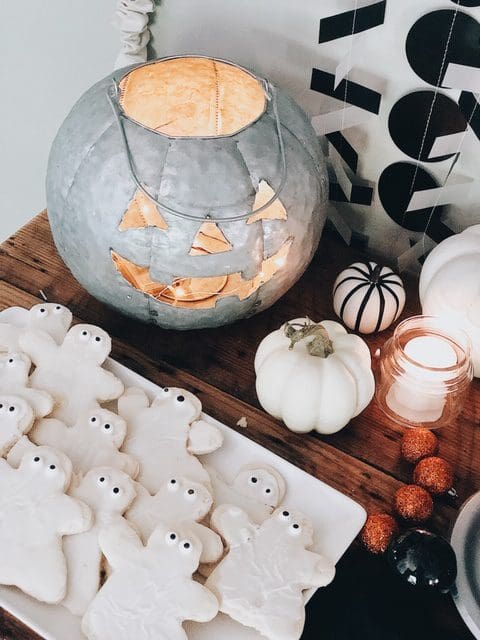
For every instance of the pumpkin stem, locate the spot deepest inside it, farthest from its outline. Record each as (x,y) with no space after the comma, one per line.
(320,344)
(376,273)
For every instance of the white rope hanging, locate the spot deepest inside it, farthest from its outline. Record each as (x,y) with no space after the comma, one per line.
(132,20)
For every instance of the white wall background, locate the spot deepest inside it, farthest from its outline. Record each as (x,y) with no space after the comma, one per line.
(51,51)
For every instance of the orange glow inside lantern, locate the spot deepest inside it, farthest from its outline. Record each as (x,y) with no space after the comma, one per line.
(192,97)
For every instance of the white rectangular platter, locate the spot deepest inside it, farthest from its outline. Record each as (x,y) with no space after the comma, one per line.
(336,518)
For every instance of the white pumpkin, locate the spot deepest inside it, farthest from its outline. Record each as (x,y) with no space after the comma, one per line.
(450,285)
(313,376)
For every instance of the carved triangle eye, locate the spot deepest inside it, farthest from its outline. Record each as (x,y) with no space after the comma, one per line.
(141,213)
(276,211)
(209,239)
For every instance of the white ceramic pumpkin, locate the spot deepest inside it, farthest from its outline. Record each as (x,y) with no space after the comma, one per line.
(313,376)
(450,285)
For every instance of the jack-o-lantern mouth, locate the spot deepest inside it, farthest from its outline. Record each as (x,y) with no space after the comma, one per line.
(198,292)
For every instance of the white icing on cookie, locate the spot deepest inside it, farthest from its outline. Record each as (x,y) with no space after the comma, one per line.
(9,335)
(203,438)
(34,515)
(178,500)
(256,489)
(14,380)
(93,441)
(19,449)
(158,436)
(54,319)
(260,581)
(72,371)
(108,492)
(151,588)
(16,418)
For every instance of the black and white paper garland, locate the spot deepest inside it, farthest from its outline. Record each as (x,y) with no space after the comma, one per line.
(368,297)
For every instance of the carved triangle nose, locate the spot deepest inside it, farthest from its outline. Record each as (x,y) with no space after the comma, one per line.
(276,211)
(209,239)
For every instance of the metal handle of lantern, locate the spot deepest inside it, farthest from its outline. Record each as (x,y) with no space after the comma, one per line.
(270,92)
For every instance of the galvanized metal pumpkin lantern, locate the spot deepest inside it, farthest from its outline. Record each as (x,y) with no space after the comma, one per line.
(186,192)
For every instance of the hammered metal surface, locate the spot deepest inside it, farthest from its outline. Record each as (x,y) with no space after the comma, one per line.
(89,188)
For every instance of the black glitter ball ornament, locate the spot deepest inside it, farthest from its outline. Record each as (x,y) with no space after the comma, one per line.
(423,559)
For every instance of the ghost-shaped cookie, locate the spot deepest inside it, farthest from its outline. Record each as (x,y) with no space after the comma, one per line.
(108,492)
(150,588)
(165,435)
(256,489)
(35,513)
(260,581)
(16,419)
(54,319)
(72,372)
(93,441)
(177,500)
(14,380)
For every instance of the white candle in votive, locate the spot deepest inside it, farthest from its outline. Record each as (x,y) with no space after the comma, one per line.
(410,396)
(431,351)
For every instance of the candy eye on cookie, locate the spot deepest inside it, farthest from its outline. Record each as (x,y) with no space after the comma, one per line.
(284,515)
(295,529)
(165,395)
(173,484)
(102,480)
(84,335)
(42,312)
(93,421)
(171,538)
(185,546)
(9,409)
(58,309)
(190,494)
(117,492)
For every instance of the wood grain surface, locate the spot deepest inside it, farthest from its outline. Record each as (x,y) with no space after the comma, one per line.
(362,461)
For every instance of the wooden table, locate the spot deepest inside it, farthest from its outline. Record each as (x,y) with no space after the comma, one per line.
(365,602)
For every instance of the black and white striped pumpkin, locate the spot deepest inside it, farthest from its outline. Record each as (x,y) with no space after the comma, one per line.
(368,297)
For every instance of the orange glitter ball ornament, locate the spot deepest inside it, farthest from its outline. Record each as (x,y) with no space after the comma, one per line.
(418,444)
(378,532)
(413,503)
(434,474)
